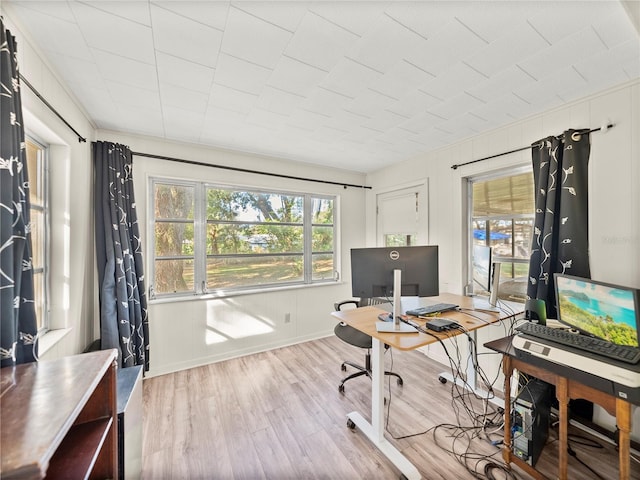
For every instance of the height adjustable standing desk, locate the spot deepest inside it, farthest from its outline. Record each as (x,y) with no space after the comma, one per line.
(364,319)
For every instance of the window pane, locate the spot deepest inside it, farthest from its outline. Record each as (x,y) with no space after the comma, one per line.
(504,196)
(173,201)
(322,239)
(400,239)
(251,239)
(37,237)
(34,163)
(174,239)
(323,268)
(322,209)
(39,298)
(242,206)
(225,273)
(173,276)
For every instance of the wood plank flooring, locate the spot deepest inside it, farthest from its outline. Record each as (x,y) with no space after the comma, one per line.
(279,415)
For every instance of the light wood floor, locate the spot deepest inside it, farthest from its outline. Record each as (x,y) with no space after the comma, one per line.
(278,415)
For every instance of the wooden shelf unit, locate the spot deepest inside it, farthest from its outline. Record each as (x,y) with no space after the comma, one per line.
(58,418)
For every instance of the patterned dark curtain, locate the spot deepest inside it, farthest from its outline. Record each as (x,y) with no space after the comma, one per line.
(18,325)
(561,226)
(123,303)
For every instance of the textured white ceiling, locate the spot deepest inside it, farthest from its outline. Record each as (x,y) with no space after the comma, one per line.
(351,84)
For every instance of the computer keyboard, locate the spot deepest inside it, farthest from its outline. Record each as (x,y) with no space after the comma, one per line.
(431,309)
(623,353)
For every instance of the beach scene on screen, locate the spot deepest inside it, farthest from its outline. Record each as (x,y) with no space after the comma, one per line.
(604,311)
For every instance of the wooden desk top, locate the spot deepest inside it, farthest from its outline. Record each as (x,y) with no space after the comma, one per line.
(365,318)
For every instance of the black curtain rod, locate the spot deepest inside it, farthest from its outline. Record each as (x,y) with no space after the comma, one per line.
(32,88)
(454,167)
(245,170)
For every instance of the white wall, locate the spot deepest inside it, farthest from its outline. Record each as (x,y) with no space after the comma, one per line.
(72,301)
(614,196)
(193,332)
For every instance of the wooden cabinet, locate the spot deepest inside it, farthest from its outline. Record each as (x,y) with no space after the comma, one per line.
(58,418)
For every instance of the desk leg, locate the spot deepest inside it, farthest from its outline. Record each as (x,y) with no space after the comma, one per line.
(562,393)
(375,430)
(623,419)
(507,369)
(471,382)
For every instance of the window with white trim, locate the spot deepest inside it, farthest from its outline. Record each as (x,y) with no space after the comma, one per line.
(218,239)
(37,158)
(502,214)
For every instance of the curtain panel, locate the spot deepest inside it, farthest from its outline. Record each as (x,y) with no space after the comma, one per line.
(561,224)
(123,303)
(18,325)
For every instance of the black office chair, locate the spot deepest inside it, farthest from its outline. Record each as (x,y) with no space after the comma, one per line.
(357,338)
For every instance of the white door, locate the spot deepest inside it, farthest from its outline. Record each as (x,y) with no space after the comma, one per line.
(401,217)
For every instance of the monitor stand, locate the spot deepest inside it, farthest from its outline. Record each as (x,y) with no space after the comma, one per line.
(395,326)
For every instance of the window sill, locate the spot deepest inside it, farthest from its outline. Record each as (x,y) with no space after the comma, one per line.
(50,339)
(253,291)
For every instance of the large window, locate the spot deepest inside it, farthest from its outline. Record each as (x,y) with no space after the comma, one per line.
(39,212)
(502,214)
(212,239)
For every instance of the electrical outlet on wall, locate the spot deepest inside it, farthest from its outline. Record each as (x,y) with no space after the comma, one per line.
(287,317)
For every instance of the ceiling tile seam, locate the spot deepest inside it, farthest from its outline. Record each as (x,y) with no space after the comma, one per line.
(363,65)
(419,67)
(477,116)
(190,19)
(215,70)
(95,7)
(28,6)
(383,94)
(155,56)
(398,114)
(404,26)
(137,60)
(471,30)
(475,96)
(286,91)
(108,91)
(304,63)
(429,94)
(243,60)
(348,97)
(475,69)
(342,27)
(536,30)
(315,112)
(357,114)
(235,5)
(520,98)
(595,31)
(579,74)
(525,72)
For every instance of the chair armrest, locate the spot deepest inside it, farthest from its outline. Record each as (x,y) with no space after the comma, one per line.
(338,306)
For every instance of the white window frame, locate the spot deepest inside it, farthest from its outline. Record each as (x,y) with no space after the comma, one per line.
(200,227)
(44,319)
(507,172)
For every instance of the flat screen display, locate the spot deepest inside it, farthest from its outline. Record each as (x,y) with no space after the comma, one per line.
(372,271)
(599,309)
(481,268)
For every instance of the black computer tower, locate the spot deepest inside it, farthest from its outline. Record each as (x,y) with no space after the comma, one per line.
(530,420)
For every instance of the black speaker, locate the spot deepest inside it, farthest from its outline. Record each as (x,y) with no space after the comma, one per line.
(535,310)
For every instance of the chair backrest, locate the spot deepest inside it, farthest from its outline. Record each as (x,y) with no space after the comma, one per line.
(362,302)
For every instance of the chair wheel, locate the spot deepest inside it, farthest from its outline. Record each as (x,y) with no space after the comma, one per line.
(341,388)
(442,379)
(343,367)
(350,424)
(400,382)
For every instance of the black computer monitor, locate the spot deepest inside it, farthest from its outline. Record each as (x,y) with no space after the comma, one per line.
(372,271)
(603,310)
